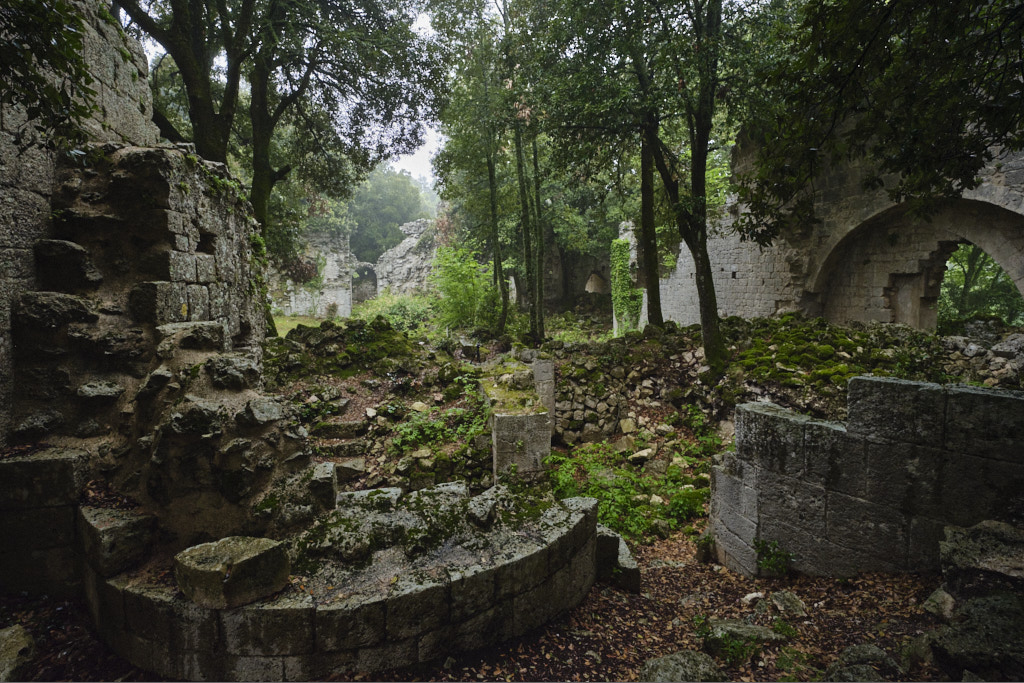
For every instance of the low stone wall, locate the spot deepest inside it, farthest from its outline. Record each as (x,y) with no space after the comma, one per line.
(876,493)
(412,618)
(38,504)
(334,297)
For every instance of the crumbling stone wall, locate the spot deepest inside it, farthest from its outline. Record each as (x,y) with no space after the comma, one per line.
(119,68)
(873,494)
(403,269)
(867,260)
(334,297)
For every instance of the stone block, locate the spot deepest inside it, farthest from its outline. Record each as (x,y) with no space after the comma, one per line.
(772,437)
(472,591)
(976,489)
(904,477)
(728,516)
(233,571)
(194,628)
(522,441)
(282,626)
(434,644)
(169,265)
(730,490)
(114,540)
(817,556)
(923,551)
(323,485)
(158,302)
(233,372)
(105,601)
(835,460)
(38,528)
(986,422)
(583,573)
(524,568)
(534,607)
(869,527)
(248,668)
(491,626)
(199,335)
(792,501)
(148,611)
(319,666)
(901,411)
(416,605)
(206,268)
(198,302)
(387,656)
(52,477)
(732,551)
(357,621)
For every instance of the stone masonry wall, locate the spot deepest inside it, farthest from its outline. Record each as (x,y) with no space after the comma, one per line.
(334,298)
(403,269)
(866,260)
(27,176)
(876,493)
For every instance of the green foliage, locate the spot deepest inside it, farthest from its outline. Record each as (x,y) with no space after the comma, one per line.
(976,287)
(796,666)
(623,492)
(453,425)
(773,559)
(468,297)
(784,628)
(405,312)
(849,85)
(626,299)
(386,200)
(43,69)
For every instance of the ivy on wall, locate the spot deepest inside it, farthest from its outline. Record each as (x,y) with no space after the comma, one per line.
(626,299)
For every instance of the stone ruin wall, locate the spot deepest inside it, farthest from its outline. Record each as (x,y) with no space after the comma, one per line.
(120,71)
(873,494)
(404,268)
(335,297)
(867,260)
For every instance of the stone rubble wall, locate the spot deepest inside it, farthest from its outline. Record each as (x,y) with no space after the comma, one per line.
(335,297)
(404,269)
(867,259)
(118,65)
(873,494)
(414,619)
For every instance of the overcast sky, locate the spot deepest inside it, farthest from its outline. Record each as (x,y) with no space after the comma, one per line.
(418,163)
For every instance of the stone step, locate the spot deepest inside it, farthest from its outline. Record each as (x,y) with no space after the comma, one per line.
(350,468)
(337,428)
(350,448)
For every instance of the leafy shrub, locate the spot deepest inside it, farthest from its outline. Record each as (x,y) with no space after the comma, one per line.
(405,312)
(467,295)
(772,559)
(623,492)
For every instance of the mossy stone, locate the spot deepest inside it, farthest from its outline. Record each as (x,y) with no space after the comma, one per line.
(231,572)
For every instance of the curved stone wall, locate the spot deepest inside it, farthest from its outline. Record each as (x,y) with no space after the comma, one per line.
(410,618)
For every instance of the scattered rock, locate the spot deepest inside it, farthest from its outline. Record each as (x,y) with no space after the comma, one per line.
(940,603)
(789,605)
(724,632)
(863,662)
(750,598)
(231,572)
(686,665)
(986,637)
(627,425)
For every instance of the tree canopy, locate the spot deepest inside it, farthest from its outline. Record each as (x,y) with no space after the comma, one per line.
(924,93)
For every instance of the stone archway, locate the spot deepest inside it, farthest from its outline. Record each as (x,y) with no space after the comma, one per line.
(889,268)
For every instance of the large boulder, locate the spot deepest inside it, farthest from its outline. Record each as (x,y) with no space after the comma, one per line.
(233,571)
(16,651)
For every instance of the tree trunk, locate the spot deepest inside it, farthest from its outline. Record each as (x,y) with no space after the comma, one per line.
(499,273)
(648,235)
(527,229)
(539,241)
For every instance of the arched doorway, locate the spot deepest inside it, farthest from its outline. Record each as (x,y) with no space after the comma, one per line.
(890,268)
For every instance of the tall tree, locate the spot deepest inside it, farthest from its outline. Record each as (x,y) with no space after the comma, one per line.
(659,71)
(352,74)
